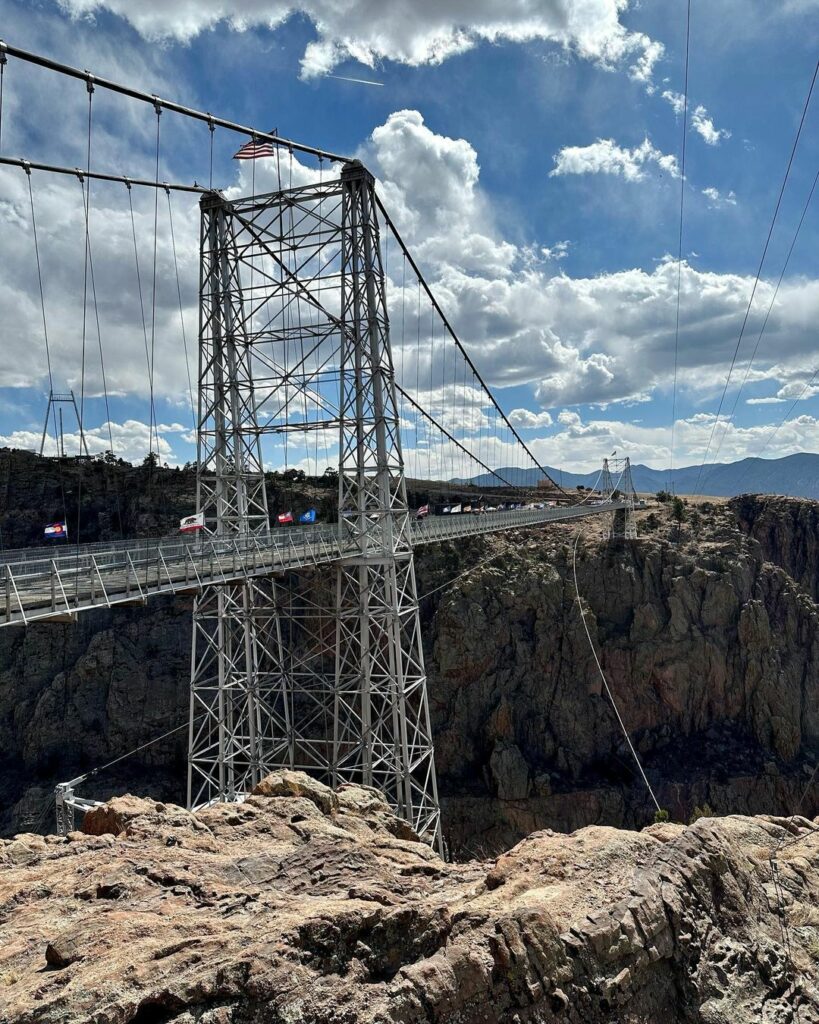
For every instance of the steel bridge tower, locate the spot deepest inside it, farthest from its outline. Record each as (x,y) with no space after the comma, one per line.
(320,670)
(623,520)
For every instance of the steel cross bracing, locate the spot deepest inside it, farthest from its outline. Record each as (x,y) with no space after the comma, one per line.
(381,728)
(294,337)
(236,657)
(623,522)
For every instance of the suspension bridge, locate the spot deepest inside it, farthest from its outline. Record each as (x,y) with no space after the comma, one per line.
(320,344)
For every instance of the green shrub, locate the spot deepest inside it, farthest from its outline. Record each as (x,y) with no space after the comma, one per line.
(706,811)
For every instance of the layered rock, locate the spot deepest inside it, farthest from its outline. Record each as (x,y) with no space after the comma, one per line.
(787,532)
(710,653)
(310,907)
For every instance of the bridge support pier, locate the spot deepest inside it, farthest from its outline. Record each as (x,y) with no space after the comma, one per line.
(623,525)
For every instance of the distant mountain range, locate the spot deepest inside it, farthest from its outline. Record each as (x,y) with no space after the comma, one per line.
(796,475)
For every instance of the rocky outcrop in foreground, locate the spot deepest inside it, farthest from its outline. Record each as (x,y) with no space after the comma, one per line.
(301,905)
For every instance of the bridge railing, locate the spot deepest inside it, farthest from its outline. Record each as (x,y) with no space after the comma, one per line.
(35,584)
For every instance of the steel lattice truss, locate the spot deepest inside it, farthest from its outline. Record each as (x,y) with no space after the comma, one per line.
(294,342)
(623,522)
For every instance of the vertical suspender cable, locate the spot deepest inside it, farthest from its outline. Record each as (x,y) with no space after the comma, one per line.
(45,336)
(102,371)
(316,359)
(152,432)
(139,289)
(86,195)
(181,314)
(680,248)
(212,130)
(40,281)
(3,62)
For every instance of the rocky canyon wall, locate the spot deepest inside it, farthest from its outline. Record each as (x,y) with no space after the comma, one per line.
(708,636)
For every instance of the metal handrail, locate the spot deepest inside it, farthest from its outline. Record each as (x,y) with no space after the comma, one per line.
(47,584)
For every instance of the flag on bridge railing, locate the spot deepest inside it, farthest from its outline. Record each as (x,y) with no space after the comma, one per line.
(56,531)
(191,523)
(284,517)
(308,517)
(422,512)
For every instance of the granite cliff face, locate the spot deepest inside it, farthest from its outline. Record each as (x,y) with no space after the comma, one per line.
(707,635)
(302,906)
(787,532)
(711,653)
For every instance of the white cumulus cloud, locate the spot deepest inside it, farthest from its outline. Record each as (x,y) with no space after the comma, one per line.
(605,157)
(528,419)
(676,99)
(558,251)
(718,200)
(412,32)
(704,126)
(701,121)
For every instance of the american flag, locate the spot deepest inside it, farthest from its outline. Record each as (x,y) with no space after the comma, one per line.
(256,147)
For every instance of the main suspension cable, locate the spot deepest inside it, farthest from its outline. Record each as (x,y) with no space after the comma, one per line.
(758,272)
(767,316)
(177,108)
(123,179)
(450,330)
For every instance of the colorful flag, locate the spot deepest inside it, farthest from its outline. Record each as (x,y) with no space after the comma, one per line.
(57,531)
(256,148)
(191,523)
(284,517)
(422,512)
(308,517)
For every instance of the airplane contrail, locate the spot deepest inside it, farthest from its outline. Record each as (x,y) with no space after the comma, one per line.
(360,81)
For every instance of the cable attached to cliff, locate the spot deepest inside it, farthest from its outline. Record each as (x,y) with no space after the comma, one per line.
(136,750)
(784,927)
(460,576)
(603,676)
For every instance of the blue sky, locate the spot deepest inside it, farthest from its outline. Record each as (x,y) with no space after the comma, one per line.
(550,145)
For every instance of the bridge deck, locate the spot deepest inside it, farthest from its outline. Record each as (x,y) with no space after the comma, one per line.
(49,583)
